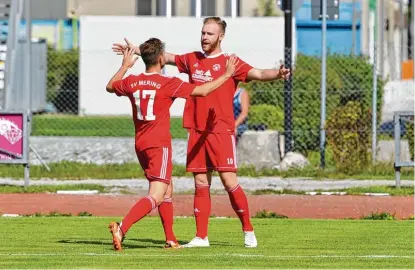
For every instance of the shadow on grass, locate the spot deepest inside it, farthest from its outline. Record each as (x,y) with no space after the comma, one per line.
(101,243)
(181,242)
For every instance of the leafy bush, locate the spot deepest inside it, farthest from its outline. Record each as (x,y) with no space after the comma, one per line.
(380,216)
(269,214)
(410,137)
(62,79)
(348,131)
(269,115)
(84,214)
(348,79)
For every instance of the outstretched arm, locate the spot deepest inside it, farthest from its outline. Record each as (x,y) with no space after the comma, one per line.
(206,88)
(120,48)
(268,74)
(180,89)
(170,58)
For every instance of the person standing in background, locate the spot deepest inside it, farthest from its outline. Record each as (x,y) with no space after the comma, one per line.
(240,112)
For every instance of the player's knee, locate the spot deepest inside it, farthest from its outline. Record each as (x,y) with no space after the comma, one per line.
(229,179)
(201,179)
(159,198)
(168,195)
(169,192)
(167,199)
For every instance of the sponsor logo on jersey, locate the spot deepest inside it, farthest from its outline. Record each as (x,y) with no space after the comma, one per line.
(202,76)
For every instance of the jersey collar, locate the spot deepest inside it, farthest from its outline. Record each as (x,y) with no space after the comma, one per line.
(212,56)
(151,73)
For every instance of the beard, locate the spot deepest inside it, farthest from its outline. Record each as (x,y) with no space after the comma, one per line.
(211,46)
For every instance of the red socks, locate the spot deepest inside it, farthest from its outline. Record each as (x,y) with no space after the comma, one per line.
(137,212)
(240,205)
(202,206)
(166,216)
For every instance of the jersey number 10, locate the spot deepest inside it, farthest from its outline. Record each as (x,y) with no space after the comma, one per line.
(150,95)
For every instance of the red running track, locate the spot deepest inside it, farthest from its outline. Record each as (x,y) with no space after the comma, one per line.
(293,206)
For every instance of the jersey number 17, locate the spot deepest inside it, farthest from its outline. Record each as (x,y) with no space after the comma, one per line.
(141,95)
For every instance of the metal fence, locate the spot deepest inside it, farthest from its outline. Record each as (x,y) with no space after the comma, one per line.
(353,123)
(405,120)
(62,84)
(348,105)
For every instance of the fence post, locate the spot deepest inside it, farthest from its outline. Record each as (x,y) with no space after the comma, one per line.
(397,135)
(28,85)
(323,86)
(288,85)
(382,37)
(374,93)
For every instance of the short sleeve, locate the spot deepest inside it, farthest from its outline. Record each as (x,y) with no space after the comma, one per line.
(182,62)
(241,71)
(121,86)
(177,88)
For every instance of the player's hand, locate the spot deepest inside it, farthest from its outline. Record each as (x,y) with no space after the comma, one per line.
(284,73)
(231,65)
(119,48)
(129,58)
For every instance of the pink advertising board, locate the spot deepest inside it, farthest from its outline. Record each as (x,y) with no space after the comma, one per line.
(11,136)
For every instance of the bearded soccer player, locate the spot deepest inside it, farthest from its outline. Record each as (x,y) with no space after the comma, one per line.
(211,125)
(151,95)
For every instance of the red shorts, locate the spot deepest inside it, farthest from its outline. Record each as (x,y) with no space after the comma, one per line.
(156,163)
(211,151)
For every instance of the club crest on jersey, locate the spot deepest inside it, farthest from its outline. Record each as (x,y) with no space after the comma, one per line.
(216,67)
(202,76)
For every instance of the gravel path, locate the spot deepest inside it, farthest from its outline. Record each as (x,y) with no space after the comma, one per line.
(184,184)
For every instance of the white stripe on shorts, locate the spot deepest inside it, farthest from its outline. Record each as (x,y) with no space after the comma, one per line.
(165,159)
(234,150)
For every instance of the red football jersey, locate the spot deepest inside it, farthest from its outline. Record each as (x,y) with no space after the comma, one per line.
(151,95)
(213,113)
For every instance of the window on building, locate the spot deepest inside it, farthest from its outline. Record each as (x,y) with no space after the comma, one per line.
(161,7)
(228,8)
(208,7)
(145,7)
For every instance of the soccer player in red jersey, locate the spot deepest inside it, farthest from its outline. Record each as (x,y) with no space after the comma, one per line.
(211,125)
(151,95)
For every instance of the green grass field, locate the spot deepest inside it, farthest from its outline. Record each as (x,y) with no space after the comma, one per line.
(84,242)
(104,126)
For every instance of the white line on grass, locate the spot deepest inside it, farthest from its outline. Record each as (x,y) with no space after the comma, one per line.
(209,255)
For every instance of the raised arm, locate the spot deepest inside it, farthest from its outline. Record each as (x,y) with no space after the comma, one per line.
(120,48)
(206,88)
(127,62)
(117,77)
(268,74)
